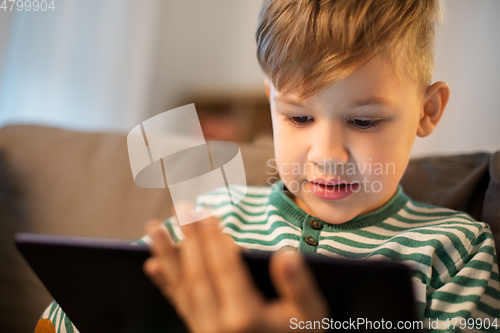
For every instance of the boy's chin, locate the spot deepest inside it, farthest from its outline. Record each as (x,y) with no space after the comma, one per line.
(336,216)
(336,211)
(330,214)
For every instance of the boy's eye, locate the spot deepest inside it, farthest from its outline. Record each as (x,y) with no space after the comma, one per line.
(298,120)
(364,124)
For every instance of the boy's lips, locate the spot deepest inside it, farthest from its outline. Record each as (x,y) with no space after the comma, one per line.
(334,181)
(333,190)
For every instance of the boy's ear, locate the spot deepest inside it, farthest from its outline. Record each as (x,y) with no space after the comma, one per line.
(436,97)
(268,89)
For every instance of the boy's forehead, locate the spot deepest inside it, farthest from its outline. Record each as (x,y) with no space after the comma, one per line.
(374,83)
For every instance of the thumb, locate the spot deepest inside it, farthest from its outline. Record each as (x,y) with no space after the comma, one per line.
(296,286)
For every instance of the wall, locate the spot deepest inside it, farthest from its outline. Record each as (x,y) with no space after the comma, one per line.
(211,46)
(108,65)
(467,53)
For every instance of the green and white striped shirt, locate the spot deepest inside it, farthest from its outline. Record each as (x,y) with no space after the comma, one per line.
(452,256)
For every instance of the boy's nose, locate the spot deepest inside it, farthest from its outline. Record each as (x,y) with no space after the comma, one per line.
(328,146)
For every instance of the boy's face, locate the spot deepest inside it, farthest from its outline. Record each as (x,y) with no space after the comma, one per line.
(359,130)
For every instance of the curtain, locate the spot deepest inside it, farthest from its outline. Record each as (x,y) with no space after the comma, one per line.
(86,65)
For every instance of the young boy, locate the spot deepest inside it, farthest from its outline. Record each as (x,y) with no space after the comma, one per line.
(349,88)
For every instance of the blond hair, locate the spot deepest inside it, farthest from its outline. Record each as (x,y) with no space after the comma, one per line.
(305,45)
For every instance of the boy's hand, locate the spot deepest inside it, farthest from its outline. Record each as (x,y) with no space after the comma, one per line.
(151,225)
(206,279)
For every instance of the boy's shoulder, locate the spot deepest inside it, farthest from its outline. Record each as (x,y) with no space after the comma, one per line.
(454,229)
(421,214)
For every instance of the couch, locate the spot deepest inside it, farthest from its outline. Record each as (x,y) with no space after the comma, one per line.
(63,182)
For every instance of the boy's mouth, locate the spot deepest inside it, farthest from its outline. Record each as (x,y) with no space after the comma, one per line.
(336,182)
(334,189)
(332,186)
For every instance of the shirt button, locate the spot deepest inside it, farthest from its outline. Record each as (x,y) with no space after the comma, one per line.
(311,241)
(315,225)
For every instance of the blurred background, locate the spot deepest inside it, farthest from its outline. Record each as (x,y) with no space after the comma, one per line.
(107,65)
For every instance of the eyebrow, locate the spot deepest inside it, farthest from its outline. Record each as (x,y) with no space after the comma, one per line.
(363,102)
(372,101)
(288,100)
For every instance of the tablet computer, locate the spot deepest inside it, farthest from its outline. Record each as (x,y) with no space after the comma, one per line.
(101,286)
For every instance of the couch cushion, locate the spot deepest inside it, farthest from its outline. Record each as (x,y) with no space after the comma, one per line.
(76,183)
(491,207)
(22,295)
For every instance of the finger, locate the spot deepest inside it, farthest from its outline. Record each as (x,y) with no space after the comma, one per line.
(244,249)
(152,268)
(240,301)
(163,248)
(197,286)
(185,212)
(201,298)
(230,274)
(295,284)
(149,226)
